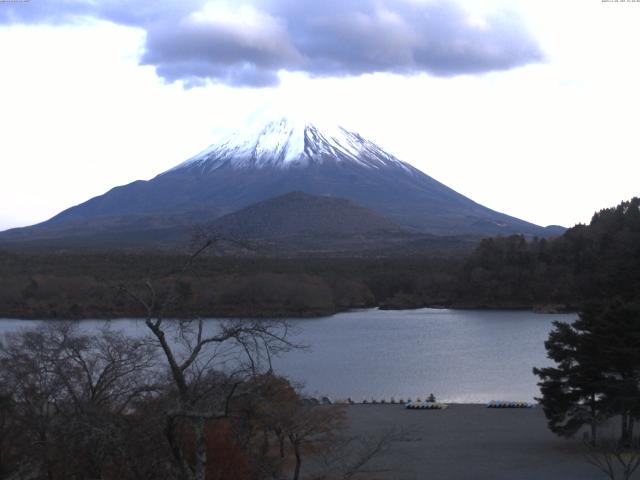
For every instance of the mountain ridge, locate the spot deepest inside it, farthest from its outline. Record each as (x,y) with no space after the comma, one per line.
(275,158)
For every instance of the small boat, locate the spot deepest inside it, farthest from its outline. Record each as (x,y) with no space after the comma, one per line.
(411,405)
(509,404)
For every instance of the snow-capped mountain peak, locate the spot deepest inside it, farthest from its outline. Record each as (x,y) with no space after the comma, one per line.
(288,142)
(274,156)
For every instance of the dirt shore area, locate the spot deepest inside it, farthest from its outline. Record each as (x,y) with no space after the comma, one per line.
(471,442)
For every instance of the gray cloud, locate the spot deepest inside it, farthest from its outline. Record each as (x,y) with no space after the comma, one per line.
(48,11)
(247,45)
(125,12)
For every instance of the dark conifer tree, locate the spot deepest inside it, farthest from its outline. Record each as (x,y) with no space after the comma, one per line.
(597,375)
(616,329)
(572,392)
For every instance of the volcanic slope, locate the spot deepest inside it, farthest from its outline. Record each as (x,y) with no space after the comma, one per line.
(273,158)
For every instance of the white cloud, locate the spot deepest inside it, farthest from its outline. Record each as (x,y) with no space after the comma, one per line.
(550,143)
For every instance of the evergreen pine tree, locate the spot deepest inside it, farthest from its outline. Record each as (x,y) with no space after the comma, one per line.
(597,372)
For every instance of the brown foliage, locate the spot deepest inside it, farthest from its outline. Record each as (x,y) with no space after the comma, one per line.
(225,458)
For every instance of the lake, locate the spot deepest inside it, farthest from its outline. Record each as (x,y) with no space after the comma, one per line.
(463,356)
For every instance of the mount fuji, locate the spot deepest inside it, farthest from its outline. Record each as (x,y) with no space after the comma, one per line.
(269,159)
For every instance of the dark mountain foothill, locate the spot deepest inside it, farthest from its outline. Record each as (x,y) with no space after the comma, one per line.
(588,263)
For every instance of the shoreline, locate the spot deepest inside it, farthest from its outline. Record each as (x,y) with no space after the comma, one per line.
(279,315)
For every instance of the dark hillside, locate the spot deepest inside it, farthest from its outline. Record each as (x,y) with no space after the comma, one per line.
(298,213)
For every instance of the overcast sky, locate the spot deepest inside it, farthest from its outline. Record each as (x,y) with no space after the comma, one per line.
(529,107)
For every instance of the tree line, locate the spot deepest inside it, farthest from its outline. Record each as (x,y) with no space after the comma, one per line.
(595,381)
(596,261)
(599,260)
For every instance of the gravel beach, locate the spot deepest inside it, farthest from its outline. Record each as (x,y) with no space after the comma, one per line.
(471,442)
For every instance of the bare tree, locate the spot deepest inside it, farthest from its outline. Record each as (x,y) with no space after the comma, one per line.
(191,350)
(618,460)
(69,394)
(105,370)
(8,433)
(312,426)
(28,365)
(351,457)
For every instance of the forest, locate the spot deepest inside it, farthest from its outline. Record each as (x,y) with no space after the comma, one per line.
(597,260)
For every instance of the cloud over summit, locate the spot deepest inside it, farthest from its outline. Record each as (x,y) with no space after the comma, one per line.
(248,43)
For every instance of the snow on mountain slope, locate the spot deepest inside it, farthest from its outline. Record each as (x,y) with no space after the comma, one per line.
(273,155)
(288,142)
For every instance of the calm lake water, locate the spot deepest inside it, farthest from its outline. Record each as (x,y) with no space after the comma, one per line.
(464,356)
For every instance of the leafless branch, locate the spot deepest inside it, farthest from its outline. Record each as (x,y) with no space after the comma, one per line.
(614,459)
